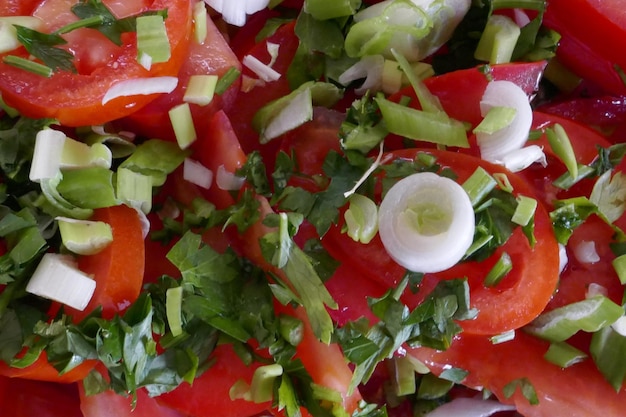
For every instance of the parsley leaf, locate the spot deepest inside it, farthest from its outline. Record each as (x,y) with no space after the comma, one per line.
(44,47)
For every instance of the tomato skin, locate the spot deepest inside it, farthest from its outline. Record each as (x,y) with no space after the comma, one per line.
(118,269)
(212,57)
(593,33)
(24,398)
(209,394)
(514,302)
(42,370)
(76,99)
(109,404)
(248,103)
(472,83)
(17,7)
(578,390)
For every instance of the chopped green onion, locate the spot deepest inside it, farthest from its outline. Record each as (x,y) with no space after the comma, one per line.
(432,387)
(403,376)
(84,237)
(498,40)
(361,219)
(562,148)
(564,355)
(426,222)
(88,187)
(57,278)
(503,266)
(28,65)
(478,185)
(290,111)
(200,28)
(60,205)
(262,386)
(227,80)
(156,158)
(503,337)
(152,38)
(590,315)
(428,101)
(49,144)
(391,77)
(566,181)
(80,155)
(420,125)
(134,189)
(495,146)
(609,195)
(608,350)
(619,264)
(497,118)
(182,123)
(524,211)
(200,89)
(173,309)
(8,33)
(291,329)
(503,182)
(331,9)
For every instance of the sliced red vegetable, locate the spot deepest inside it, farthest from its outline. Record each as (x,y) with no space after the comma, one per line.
(76,99)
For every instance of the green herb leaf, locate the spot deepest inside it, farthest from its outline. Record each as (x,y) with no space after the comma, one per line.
(44,47)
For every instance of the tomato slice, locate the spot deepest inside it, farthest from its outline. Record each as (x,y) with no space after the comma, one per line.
(212,57)
(109,403)
(41,370)
(118,269)
(592,39)
(24,398)
(209,395)
(578,390)
(75,99)
(17,7)
(512,303)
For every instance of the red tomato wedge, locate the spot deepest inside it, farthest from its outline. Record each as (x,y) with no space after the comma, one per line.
(17,7)
(75,99)
(211,57)
(109,404)
(209,395)
(593,34)
(24,398)
(514,302)
(118,269)
(42,370)
(578,390)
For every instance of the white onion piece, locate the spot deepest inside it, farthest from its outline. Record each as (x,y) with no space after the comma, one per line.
(197,174)
(494,146)
(585,252)
(227,180)
(57,278)
(140,86)
(520,159)
(620,325)
(47,154)
(426,222)
(469,407)
(297,112)
(263,71)
(234,11)
(563,259)
(594,290)
(144,221)
(369,67)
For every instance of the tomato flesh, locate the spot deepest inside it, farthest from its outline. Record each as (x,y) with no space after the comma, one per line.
(76,99)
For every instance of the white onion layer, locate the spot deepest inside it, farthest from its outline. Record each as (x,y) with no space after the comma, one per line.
(197,174)
(227,180)
(235,11)
(520,159)
(494,146)
(140,86)
(47,154)
(57,278)
(469,407)
(426,222)
(263,71)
